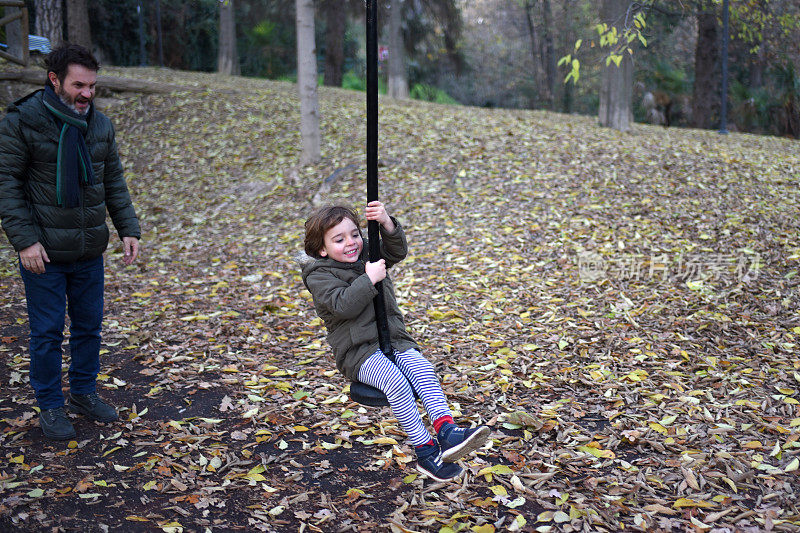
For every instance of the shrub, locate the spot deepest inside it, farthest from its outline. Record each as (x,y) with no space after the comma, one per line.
(422,91)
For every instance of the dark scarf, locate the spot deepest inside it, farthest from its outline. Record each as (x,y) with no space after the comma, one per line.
(74,161)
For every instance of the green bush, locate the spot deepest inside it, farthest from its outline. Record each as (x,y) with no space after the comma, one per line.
(354,82)
(751,107)
(429,93)
(669,78)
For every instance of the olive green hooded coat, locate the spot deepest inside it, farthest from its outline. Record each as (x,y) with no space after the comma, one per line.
(343,295)
(29,208)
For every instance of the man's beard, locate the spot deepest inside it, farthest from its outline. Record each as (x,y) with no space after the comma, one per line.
(65,99)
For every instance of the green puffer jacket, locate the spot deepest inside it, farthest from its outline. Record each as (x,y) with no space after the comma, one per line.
(28,206)
(343,296)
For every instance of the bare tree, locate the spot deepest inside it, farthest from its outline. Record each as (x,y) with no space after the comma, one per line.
(335,26)
(228,57)
(307,82)
(705,103)
(50,21)
(530,18)
(78,31)
(397,86)
(616,91)
(549,52)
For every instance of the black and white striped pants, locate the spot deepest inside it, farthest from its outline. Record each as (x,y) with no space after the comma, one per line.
(396,381)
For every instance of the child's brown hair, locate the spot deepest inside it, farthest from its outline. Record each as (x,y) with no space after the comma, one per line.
(321,221)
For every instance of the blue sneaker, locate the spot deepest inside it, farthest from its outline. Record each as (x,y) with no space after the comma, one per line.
(457,442)
(429,462)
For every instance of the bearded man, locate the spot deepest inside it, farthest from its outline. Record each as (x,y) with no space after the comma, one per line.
(59,173)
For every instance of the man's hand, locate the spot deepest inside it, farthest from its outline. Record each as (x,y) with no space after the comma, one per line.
(33,258)
(377,211)
(130,249)
(376,271)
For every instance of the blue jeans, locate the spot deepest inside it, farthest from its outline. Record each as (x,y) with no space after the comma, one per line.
(79,285)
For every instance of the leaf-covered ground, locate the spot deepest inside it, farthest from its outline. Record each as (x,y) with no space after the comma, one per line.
(622,310)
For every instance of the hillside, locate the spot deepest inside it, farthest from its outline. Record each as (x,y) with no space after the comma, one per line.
(621,309)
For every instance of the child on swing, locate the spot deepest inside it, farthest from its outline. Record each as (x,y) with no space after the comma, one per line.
(342,283)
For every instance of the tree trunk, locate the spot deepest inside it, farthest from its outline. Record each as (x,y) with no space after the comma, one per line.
(567,33)
(616,91)
(398,84)
(549,55)
(307,82)
(227,58)
(758,61)
(14,33)
(537,62)
(705,104)
(78,31)
(758,64)
(335,27)
(50,21)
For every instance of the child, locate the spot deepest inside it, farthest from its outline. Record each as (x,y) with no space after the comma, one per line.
(342,283)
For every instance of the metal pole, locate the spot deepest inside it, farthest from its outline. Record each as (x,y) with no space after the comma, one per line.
(723,112)
(142,51)
(158,31)
(373,231)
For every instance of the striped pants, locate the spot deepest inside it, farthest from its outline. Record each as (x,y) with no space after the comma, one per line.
(396,381)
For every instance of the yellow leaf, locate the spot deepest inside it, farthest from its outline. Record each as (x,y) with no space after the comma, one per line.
(688,502)
(498,490)
(112,450)
(172,527)
(655,426)
(485,528)
(730,483)
(134,518)
(496,469)
(20,459)
(752,445)
(793,465)
(300,428)
(523,418)
(149,485)
(384,440)
(667,420)
(776,450)
(597,452)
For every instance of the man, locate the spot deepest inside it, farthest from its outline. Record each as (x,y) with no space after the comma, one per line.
(59,173)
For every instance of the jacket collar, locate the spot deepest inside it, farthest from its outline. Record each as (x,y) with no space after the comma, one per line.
(33,114)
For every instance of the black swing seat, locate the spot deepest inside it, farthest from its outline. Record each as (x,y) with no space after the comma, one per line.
(370,396)
(367,395)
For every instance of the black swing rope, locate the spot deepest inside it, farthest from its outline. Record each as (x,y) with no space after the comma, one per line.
(361,392)
(373,231)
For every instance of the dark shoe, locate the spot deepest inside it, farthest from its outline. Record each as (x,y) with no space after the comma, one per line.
(429,462)
(92,406)
(55,424)
(458,442)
